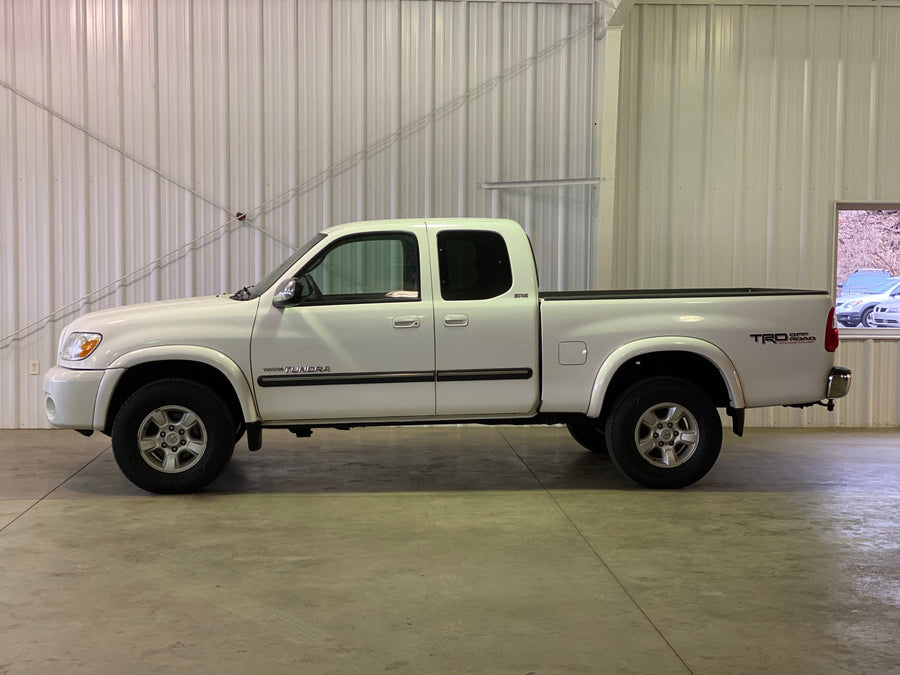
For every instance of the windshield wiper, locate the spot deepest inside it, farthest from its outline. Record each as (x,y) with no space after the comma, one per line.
(243,294)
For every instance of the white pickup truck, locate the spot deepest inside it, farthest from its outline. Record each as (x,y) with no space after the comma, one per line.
(437,321)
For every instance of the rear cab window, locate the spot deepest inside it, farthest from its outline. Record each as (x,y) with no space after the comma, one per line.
(473,265)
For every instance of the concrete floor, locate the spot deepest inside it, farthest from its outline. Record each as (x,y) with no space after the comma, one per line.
(455,550)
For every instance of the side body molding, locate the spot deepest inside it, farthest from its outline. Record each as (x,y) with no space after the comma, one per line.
(205,355)
(665,344)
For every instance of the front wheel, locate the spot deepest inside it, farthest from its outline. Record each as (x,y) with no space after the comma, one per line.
(173,436)
(867,320)
(664,433)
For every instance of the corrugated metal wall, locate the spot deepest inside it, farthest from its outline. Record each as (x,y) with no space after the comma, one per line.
(740,126)
(131,131)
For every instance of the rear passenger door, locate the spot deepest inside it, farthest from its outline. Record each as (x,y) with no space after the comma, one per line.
(486,325)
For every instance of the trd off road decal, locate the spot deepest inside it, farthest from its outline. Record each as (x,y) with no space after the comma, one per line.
(782,338)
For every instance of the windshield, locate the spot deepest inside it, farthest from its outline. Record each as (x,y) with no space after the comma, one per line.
(261,286)
(883,287)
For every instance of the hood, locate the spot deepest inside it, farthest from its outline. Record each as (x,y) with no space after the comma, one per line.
(216,321)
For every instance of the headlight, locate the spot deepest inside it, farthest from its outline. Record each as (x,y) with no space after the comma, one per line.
(79,346)
(851,303)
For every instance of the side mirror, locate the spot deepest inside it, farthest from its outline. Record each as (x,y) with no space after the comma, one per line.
(286,293)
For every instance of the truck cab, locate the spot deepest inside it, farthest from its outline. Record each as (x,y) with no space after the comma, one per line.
(402,321)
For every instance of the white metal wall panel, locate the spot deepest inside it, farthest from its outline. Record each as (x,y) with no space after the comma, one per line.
(132,131)
(740,126)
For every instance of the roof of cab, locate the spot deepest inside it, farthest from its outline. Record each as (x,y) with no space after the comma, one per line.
(474,223)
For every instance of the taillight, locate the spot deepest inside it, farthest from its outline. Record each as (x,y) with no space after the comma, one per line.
(831,333)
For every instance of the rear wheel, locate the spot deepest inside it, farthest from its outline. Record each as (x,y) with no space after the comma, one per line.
(664,433)
(173,436)
(589,435)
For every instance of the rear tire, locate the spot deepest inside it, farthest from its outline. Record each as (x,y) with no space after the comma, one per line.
(589,435)
(664,433)
(173,436)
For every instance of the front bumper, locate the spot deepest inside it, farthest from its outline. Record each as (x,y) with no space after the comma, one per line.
(70,396)
(848,317)
(838,383)
(887,319)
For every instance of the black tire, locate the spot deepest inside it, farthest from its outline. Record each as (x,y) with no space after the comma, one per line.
(589,434)
(688,428)
(173,436)
(865,320)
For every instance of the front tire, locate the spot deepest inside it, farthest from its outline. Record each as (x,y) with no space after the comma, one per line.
(173,436)
(867,320)
(664,433)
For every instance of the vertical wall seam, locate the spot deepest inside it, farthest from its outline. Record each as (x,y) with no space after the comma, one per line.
(396,155)
(228,196)
(737,260)
(430,135)
(705,197)
(772,155)
(191,148)
(531,112)
(462,205)
(47,53)
(840,102)
(806,146)
(17,416)
(86,234)
(363,123)
(871,178)
(563,159)
(155,242)
(328,187)
(261,149)
(496,112)
(667,259)
(122,229)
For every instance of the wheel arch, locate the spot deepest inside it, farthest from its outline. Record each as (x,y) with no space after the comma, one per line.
(690,359)
(207,366)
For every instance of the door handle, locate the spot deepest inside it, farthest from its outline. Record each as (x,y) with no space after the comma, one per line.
(406,322)
(455,320)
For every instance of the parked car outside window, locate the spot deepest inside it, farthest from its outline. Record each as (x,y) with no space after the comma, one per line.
(887,314)
(859,310)
(861,282)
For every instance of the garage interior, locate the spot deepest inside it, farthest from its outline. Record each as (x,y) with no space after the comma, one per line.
(153,150)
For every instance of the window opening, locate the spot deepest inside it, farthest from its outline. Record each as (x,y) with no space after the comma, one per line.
(868,267)
(474,265)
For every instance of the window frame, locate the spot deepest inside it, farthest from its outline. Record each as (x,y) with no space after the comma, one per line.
(406,239)
(859,332)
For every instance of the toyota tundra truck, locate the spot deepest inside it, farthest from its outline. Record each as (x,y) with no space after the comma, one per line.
(436,321)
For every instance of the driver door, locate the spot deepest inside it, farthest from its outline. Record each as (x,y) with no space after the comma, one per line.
(357,339)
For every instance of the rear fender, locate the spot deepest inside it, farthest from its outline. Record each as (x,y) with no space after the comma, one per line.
(637,348)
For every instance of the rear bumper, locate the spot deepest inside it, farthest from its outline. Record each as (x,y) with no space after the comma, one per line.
(838,383)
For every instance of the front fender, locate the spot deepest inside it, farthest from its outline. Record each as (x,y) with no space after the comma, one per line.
(205,355)
(637,348)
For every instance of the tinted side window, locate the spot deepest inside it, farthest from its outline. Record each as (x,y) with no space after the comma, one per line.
(366,268)
(474,265)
